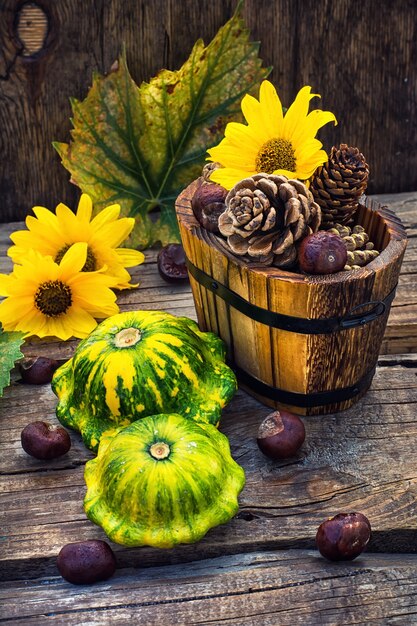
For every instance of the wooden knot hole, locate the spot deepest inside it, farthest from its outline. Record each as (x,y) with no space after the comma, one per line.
(32,25)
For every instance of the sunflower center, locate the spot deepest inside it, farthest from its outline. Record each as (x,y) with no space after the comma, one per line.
(53,298)
(90,264)
(275,154)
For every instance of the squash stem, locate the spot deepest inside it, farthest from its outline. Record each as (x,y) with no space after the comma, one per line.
(160,450)
(127,337)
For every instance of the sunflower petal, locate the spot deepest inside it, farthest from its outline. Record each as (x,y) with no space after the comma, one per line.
(313,122)
(85,208)
(6,281)
(109,214)
(227,177)
(271,107)
(297,113)
(113,233)
(73,260)
(129,257)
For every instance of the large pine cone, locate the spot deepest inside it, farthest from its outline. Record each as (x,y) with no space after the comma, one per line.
(265,216)
(338,184)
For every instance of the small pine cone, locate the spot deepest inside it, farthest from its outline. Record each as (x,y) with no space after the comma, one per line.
(338,185)
(361,251)
(265,216)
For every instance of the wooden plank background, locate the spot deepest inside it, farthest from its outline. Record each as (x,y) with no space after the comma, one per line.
(361,56)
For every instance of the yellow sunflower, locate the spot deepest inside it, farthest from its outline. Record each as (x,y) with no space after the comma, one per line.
(45,298)
(272,142)
(52,234)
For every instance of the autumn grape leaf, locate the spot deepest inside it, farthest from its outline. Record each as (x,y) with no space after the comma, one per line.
(10,343)
(139,146)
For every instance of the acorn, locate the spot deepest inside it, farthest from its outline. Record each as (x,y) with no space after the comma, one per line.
(281,435)
(322,253)
(208,203)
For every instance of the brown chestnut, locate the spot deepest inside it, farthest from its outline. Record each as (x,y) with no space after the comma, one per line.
(37,370)
(86,562)
(171,263)
(344,536)
(281,435)
(322,253)
(45,441)
(208,203)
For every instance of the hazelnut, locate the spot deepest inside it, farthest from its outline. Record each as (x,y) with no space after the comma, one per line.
(37,370)
(281,435)
(86,562)
(45,441)
(208,203)
(322,253)
(171,263)
(344,536)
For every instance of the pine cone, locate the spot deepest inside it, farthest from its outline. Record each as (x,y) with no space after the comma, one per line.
(208,169)
(361,251)
(265,215)
(338,184)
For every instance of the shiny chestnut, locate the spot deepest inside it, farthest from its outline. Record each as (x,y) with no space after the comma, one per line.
(171,263)
(322,253)
(86,562)
(45,441)
(344,536)
(281,435)
(208,203)
(37,370)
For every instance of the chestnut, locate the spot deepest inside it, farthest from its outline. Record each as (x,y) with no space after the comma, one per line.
(322,253)
(208,203)
(281,435)
(171,263)
(344,536)
(86,562)
(45,441)
(37,370)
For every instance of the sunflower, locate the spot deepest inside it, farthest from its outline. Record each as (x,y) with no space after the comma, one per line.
(272,142)
(45,298)
(53,234)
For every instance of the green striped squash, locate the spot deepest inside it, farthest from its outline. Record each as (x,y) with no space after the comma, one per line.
(142,363)
(161,481)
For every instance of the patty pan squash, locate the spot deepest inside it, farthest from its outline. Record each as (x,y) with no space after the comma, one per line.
(161,481)
(142,363)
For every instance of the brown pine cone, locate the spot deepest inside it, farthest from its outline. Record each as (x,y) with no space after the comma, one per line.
(265,215)
(338,184)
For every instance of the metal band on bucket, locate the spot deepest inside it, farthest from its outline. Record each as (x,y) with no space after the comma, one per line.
(304,400)
(291,323)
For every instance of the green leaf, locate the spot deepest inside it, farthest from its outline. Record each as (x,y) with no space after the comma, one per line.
(139,146)
(10,343)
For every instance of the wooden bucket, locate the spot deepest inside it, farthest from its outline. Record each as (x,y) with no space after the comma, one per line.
(306,343)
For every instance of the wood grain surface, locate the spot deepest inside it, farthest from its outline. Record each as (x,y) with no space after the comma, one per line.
(361,459)
(361,60)
(269,588)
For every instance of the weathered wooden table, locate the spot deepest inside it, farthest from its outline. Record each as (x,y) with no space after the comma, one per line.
(262,567)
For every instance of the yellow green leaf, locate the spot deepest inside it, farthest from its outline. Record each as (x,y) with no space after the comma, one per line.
(10,343)
(139,146)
